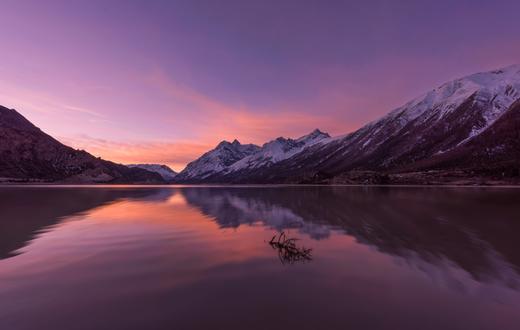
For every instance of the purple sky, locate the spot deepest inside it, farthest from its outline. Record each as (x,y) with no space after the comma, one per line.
(162,81)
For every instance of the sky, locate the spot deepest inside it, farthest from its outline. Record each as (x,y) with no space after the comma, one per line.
(164,81)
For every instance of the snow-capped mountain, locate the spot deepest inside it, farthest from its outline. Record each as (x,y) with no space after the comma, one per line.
(495,91)
(229,158)
(415,136)
(164,171)
(277,150)
(214,161)
(467,116)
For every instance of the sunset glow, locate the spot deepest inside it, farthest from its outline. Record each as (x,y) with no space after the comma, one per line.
(164,81)
(242,164)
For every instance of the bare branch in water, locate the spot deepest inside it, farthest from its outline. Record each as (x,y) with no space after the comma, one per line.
(288,252)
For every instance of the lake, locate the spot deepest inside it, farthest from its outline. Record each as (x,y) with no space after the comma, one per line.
(273,257)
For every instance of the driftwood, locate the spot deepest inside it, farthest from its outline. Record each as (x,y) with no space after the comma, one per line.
(288,252)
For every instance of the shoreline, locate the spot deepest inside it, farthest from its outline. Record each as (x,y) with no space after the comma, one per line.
(118,185)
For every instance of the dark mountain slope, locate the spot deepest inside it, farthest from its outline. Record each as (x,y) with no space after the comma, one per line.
(28,154)
(495,151)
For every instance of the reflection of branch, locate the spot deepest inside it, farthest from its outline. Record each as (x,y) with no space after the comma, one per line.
(288,252)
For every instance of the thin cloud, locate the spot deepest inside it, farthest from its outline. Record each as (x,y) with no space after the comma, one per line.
(227,121)
(82,110)
(175,154)
(34,101)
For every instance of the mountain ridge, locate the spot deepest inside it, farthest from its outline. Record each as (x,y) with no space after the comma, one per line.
(407,139)
(465,131)
(163,170)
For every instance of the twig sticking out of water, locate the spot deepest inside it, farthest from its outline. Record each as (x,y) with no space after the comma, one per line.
(288,252)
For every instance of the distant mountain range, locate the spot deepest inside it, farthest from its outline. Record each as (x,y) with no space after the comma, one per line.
(230,159)
(29,155)
(164,171)
(464,131)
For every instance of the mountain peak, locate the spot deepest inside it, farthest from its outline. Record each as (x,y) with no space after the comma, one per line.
(216,160)
(440,123)
(497,87)
(491,79)
(13,119)
(163,170)
(226,143)
(278,150)
(316,134)
(222,144)
(508,69)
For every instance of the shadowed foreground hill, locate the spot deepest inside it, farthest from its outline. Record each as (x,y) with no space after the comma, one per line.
(29,155)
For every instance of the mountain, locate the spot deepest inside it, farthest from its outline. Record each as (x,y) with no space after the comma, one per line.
(225,154)
(238,162)
(29,155)
(164,171)
(463,130)
(277,150)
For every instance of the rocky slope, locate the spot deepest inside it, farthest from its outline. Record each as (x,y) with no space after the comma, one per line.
(29,155)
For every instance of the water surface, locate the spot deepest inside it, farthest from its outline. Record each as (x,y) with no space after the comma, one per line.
(200,257)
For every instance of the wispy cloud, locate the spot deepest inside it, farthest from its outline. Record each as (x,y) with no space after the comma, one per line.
(39,102)
(217,120)
(81,110)
(213,119)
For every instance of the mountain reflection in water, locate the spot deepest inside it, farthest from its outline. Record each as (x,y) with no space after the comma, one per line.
(474,229)
(185,257)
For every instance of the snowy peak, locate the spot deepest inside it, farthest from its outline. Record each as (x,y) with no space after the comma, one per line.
(216,160)
(313,136)
(233,156)
(501,87)
(436,124)
(277,150)
(433,124)
(235,148)
(164,171)
(226,144)
(506,75)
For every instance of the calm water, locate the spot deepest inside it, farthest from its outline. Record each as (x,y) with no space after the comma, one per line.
(201,258)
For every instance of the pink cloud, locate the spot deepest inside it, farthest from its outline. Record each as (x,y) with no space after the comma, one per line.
(216,120)
(174,154)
